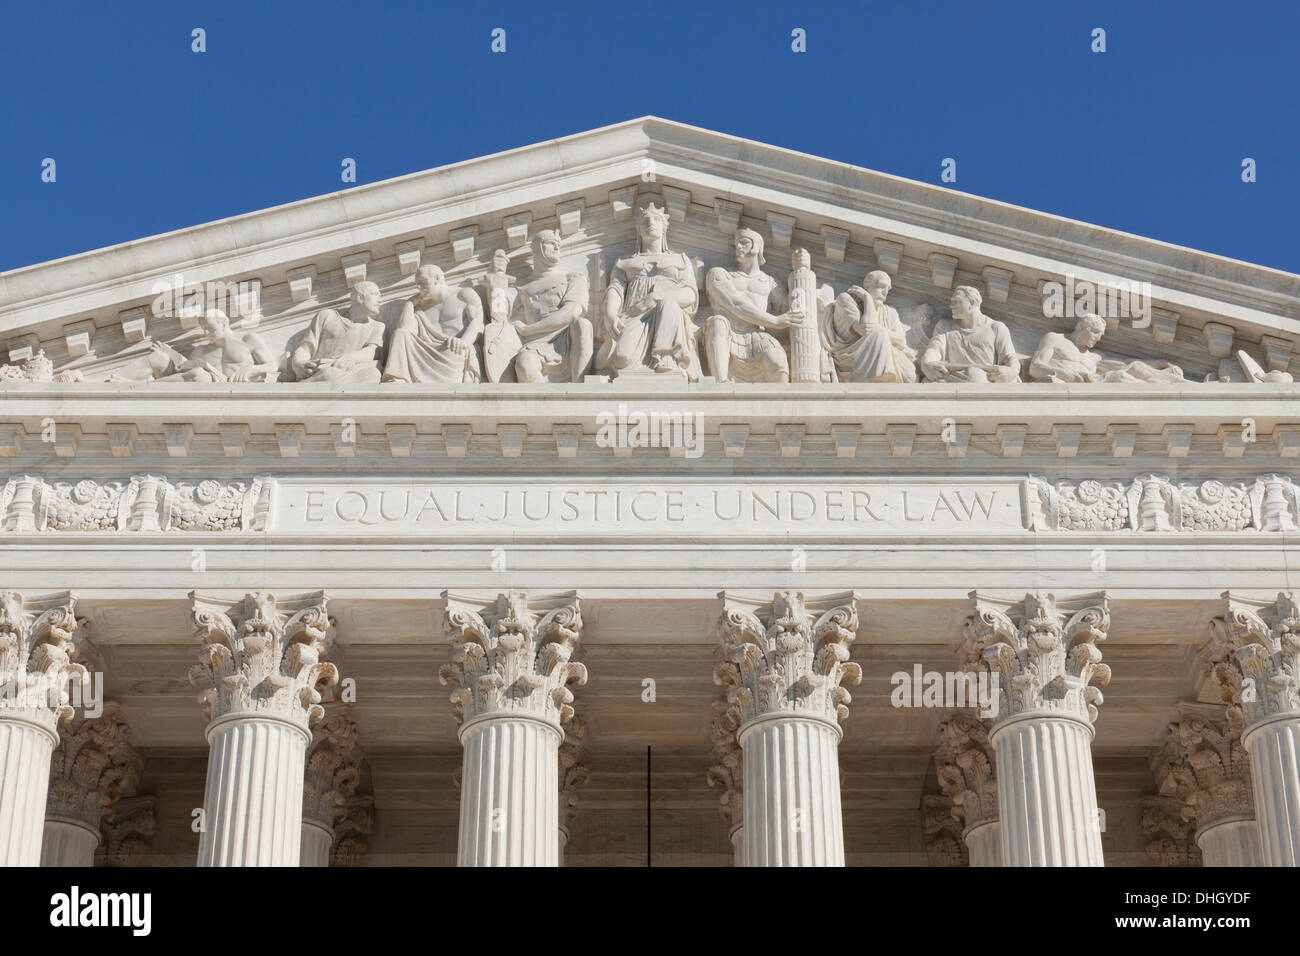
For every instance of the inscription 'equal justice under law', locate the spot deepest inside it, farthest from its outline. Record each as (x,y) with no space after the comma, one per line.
(592,505)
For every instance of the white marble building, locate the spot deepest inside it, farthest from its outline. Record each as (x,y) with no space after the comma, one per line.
(459,500)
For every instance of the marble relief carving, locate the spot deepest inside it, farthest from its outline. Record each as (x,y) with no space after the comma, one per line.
(655,309)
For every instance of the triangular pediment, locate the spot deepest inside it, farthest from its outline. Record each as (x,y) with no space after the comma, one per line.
(95,313)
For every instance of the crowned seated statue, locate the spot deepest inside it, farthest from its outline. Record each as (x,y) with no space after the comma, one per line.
(648,305)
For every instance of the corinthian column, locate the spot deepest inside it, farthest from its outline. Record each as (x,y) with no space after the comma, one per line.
(37,676)
(783,666)
(91,768)
(511,661)
(332,777)
(1257,649)
(964,762)
(263,662)
(1044,657)
(1204,764)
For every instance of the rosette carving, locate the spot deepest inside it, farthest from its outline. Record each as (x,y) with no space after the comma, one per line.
(514,656)
(964,763)
(1045,655)
(784,658)
(93,765)
(1256,657)
(263,658)
(38,652)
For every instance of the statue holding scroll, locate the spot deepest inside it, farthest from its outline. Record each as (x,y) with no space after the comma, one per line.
(971,347)
(342,349)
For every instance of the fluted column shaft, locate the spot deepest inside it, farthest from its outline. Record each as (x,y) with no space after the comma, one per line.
(510,806)
(737,837)
(1230,843)
(25,750)
(792,792)
(1274,748)
(254,793)
(68,843)
(1047,799)
(984,841)
(317,842)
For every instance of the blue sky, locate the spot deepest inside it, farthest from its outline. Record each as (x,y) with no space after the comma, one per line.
(1147,137)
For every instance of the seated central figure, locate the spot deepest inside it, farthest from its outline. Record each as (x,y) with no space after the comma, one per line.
(746,301)
(648,305)
(971,347)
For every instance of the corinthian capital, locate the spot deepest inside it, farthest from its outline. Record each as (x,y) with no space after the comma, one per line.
(1256,656)
(789,657)
(1044,653)
(38,651)
(1204,764)
(333,770)
(93,765)
(572,771)
(964,762)
(263,657)
(1170,837)
(513,655)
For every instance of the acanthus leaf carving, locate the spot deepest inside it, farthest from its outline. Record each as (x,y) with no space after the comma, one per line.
(333,767)
(1255,657)
(263,657)
(783,659)
(1044,654)
(964,764)
(1204,764)
(513,656)
(92,766)
(38,651)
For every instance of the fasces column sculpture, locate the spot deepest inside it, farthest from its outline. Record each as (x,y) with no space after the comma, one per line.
(1205,765)
(1258,656)
(512,664)
(964,762)
(92,766)
(1044,657)
(37,674)
(332,776)
(263,662)
(783,667)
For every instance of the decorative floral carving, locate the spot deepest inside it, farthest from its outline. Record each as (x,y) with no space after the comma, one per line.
(513,657)
(146,503)
(1204,764)
(964,762)
(572,773)
(37,656)
(1171,839)
(333,767)
(262,657)
(1045,656)
(93,765)
(1155,503)
(127,836)
(944,845)
(786,659)
(1255,657)
(728,773)
(357,821)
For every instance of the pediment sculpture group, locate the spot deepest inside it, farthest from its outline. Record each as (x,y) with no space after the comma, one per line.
(650,322)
